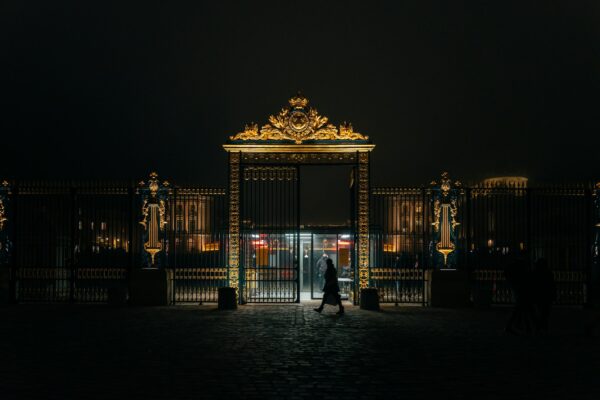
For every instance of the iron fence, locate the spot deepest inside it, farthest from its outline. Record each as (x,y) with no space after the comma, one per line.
(400,220)
(70,242)
(77,242)
(497,223)
(197,243)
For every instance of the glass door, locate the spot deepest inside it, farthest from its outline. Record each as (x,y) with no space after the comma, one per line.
(344,266)
(324,247)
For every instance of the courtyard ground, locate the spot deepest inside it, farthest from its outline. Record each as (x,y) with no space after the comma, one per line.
(289,351)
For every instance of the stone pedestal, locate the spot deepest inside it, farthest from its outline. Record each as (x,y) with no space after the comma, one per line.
(4,285)
(151,287)
(227,298)
(369,299)
(448,288)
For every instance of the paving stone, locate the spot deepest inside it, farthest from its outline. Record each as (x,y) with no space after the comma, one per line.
(288,351)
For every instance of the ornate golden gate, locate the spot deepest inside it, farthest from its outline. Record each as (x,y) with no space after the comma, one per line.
(270,157)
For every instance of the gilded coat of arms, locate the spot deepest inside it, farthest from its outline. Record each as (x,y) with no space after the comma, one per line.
(299,123)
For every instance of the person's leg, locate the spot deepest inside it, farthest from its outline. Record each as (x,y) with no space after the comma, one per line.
(322,303)
(339,300)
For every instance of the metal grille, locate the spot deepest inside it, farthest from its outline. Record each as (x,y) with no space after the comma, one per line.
(71,242)
(497,222)
(197,238)
(552,223)
(76,242)
(270,234)
(400,219)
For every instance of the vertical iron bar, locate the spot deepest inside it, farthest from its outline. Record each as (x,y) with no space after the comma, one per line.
(14,298)
(131,237)
(297,255)
(72,219)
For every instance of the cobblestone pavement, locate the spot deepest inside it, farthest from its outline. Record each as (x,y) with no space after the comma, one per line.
(288,351)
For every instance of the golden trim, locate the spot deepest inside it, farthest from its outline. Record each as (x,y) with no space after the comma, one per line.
(302,148)
(446,185)
(363,220)
(234,221)
(3,217)
(154,222)
(298,123)
(445,251)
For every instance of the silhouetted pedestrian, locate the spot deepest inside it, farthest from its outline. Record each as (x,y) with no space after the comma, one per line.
(331,289)
(321,268)
(544,294)
(519,277)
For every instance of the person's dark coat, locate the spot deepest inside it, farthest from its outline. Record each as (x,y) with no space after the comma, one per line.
(331,281)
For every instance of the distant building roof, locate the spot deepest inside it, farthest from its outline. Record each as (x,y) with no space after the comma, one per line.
(506,181)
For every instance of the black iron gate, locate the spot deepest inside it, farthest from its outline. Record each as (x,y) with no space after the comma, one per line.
(400,220)
(71,243)
(270,234)
(197,243)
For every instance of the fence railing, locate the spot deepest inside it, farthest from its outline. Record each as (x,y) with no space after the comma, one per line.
(78,241)
(496,224)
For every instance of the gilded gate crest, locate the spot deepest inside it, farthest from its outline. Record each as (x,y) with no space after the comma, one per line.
(299,123)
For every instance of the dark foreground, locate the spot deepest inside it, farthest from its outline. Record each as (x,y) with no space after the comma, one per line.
(288,351)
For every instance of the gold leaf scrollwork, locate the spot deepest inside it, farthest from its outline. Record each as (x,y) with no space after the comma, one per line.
(298,123)
(154,214)
(3,217)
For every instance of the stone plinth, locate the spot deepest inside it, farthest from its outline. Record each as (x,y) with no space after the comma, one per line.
(151,287)
(369,299)
(448,288)
(227,298)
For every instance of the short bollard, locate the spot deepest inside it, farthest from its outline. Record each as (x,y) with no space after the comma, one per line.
(369,299)
(227,298)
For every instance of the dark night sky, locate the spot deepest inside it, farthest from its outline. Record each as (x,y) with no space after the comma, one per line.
(91,89)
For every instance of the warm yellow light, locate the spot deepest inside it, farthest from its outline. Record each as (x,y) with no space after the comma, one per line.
(389,247)
(211,246)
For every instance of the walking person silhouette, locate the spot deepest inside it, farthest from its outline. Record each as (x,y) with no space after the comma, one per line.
(331,288)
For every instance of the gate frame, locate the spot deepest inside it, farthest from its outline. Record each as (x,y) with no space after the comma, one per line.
(357,155)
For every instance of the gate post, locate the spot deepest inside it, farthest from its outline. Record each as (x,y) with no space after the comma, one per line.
(448,287)
(154,198)
(444,240)
(369,297)
(152,284)
(595,267)
(6,272)
(234,222)
(363,219)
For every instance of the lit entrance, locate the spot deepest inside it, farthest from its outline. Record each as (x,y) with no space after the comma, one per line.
(316,248)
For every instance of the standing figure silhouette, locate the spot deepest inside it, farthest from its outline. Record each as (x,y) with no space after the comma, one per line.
(331,288)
